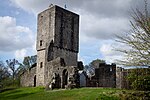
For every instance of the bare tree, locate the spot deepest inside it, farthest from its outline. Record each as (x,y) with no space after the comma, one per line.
(11,63)
(28,62)
(4,74)
(138,40)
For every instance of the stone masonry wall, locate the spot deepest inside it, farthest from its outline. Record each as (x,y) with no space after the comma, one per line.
(105,76)
(121,80)
(57,66)
(45,34)
(28,78)
(40,69)
(69,57)
(66,30)
(64,43)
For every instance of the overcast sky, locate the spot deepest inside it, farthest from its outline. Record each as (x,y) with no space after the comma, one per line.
(100,20)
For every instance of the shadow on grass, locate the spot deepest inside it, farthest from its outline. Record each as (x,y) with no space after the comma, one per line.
(18,95)
(15,94)
(8,89)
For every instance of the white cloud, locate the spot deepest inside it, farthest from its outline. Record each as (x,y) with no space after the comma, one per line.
(99,20)
(102,28)
(104,7)
(34,52)
(20,54)
(110,53)
(31,6)
(14,37)
(106,49)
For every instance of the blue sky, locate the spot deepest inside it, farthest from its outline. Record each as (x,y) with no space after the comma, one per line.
(100,20)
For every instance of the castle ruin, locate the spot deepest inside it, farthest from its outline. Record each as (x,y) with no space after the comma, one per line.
(105,76)
(57,49)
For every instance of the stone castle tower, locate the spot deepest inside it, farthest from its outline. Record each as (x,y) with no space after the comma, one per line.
(57,46)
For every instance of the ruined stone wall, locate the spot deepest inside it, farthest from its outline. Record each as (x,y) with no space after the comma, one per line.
(121,80)
(45,28)
(105,76)
(28,78)
(69,57)
(57,66)
(45,34)
(66,30)
(66,40)
(118,77)
(40,71)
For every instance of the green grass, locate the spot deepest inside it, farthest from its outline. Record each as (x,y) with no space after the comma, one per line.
(39,93)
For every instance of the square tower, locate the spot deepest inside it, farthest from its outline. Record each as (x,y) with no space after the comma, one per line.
(57,36)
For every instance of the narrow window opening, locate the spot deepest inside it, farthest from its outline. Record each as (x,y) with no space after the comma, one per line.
(50,51)
(40,42)
(41,64)
(111,69)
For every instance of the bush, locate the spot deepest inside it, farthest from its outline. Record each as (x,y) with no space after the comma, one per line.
(140,79)
(10,83)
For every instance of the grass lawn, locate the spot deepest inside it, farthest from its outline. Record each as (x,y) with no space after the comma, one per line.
(38,93)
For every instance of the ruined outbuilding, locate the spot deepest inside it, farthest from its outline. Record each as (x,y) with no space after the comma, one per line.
(105,76)
(28,77)
(57,49)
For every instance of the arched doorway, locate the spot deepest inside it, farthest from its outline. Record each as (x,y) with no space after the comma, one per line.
(35,81)
(65,78)
(57,81)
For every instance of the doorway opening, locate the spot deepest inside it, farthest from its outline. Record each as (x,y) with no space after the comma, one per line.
(65,78)
(35,81)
